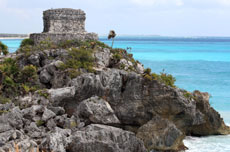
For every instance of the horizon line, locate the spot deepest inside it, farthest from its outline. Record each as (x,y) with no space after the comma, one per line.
(138,35)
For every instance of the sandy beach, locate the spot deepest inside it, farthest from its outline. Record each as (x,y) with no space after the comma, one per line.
(5,38)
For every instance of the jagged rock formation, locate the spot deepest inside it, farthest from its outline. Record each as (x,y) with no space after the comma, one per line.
(91,97)
(63,24)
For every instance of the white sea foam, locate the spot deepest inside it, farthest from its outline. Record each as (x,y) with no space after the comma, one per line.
(208,144)
(211,143)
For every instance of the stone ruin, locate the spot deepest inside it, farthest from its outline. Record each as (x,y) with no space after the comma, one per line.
(63,24)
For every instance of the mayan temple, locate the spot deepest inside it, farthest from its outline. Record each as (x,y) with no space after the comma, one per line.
(63,24)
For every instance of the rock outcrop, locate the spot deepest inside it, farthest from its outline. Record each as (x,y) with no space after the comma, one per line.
(105,138)
(89,97)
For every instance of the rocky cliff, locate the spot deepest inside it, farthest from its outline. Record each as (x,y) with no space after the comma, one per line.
(85,96)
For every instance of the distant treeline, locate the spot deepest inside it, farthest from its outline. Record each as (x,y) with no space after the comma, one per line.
(13,35)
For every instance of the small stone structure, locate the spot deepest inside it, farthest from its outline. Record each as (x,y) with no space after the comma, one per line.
(63,24)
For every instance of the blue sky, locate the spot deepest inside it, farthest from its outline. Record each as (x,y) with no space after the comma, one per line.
(131,17)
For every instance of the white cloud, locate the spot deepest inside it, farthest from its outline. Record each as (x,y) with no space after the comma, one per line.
(2,3)
(224,2)
(4,9)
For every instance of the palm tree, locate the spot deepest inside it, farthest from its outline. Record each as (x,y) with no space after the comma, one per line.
(3,49)
(112,35)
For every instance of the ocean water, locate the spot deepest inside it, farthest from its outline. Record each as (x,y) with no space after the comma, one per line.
(13,44)
(198,63)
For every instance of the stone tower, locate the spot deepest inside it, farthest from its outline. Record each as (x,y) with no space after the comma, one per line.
(63,24)
(64,21)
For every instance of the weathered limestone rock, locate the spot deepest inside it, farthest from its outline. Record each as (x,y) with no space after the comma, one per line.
(31,112)
(160,134)
(213,124)
(47,114)
(58,95)
(71,117)
(97,111)
(57,110)
(34,59)
(102,57)
(11,120)
(140,68)
(45,77)
(133,99)
(105,139)
(57,140)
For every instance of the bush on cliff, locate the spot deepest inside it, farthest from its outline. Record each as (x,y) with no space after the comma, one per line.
(3,49)
(28,74)
(15,81)
(26,42)
(165,78)
(90,44)
(78,58)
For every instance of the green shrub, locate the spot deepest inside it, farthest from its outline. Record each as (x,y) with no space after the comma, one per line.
(9,67)
(89,44)
(40,123)
(3,49)
(73,124)
(122,66)
(46,44)
(148,77)
(10,71)
(15,81)
(67,44)
(167,79)
(8,82)
(27,42)
(5,52)
(43,93)
(29,73)
(101,44)
(73,73)
(79,58)
(4,100)
(188,95)
(117,56)
(147,71)
(26,88)
(131,68)
(27,49)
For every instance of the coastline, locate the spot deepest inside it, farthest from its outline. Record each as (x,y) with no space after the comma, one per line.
(5,38)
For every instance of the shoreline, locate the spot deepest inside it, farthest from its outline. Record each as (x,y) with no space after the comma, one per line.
(6,38)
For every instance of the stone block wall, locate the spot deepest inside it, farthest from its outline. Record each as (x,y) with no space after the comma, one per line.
(64,21)
(59,37)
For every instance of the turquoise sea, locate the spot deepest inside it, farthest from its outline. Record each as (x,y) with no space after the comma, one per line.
(198,63)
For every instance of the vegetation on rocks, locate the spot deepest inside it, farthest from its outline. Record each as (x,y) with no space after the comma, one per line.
(4,100)
(27,42)
(43,93)
(188,95)
(13,80)
(165,78)
(3,49)
(40,123)
(40,81)
(78,58)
